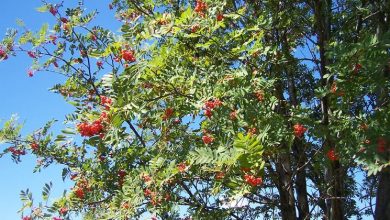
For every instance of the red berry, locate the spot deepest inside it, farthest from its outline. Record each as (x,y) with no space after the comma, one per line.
(53,10)
(260,96)
(168,113)
(147,192)
(122,173)
(208,113)
(333,89)
(27,218)
(182,167)
(331,154)
(252,131)
(83,53)
(200,7)
(34,146)
(90,130)
(53,39)
(102,158)
(3,54)
(30,73)
(176,121)
(63,211)
(105,100)
(233,115)
(219,175)
(73,176)
(93,37)
(195,28)
(220,17)
(64,20)
(146,178)
(381,145)
(128,55)
(299,130)
(31,54)
(357,67)
(79,192)
(252,180)
(207,139)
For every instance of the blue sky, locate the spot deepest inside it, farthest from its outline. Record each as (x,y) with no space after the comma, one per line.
(34,104)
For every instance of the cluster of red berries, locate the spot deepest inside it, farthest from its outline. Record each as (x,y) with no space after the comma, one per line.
(63,211)
(299,130)
(219,175)
(79,192)
(105,102)
(32,54)
(335,90)
(252,131)
(128,55)
(53,10)
(153,197)
(81,188)
(30,73)
(260,95)
(148,192)
(99,64)
(64,20)
(125,205)
(16,152)
(331,154)
(210,105)
(93,37)
(207,139)
(182,167)
(3,54)
(146,178)
(381,145)
(168,113)
(233,115)
(195,28)
(252,180)
(121,175)
(220,16)
(357,68)
(200,7)
(88,130)
(34,146)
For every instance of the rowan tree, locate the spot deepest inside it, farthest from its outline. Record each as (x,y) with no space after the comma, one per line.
(215,109)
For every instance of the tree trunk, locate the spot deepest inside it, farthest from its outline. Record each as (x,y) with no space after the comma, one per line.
(286,192)
(298,147)
(382,207)
(322,13)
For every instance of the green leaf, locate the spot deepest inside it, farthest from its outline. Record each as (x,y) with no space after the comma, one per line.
(43,8)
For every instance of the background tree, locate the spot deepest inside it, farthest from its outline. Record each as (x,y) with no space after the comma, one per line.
(215,109)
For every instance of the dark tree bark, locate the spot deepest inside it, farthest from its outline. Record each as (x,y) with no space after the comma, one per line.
(322,13)
(382,207)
